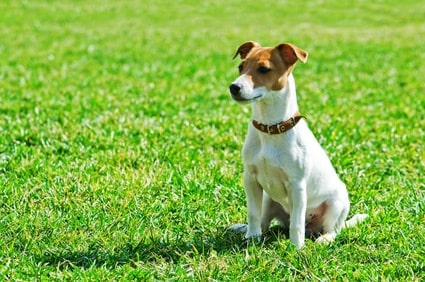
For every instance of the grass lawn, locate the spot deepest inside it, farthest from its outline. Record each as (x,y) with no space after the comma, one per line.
(120,147)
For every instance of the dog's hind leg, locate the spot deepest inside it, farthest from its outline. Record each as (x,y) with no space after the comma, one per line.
(333,219)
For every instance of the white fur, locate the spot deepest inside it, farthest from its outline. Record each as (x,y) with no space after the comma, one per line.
(288,176)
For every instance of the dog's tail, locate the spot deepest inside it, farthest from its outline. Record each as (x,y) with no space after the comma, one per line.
(355,219)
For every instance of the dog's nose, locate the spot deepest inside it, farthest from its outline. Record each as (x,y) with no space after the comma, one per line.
(235,88)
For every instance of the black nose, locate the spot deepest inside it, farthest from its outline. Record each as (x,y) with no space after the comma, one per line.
(234,89)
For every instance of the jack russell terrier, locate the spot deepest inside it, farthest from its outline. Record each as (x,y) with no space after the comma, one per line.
(287,175)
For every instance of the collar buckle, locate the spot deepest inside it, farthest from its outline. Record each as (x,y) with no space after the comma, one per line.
(270,129)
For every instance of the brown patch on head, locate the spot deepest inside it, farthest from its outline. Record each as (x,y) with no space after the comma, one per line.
(265,68)
(269,67)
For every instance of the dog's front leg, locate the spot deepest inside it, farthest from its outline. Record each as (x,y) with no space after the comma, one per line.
(254,198)
(297,217)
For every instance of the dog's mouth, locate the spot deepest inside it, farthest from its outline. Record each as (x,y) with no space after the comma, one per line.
(243,100)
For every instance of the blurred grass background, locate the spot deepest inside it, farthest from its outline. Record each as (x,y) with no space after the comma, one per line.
(120,148)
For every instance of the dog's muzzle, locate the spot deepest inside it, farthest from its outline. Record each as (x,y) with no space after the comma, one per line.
(237,93)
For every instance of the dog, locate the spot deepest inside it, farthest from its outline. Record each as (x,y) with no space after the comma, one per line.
(287,175)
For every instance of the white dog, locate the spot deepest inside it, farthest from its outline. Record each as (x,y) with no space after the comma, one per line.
(287,175)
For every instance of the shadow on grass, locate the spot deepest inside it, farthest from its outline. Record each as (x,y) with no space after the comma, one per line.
(156,249)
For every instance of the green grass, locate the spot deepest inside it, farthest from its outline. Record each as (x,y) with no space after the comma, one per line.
(120,147)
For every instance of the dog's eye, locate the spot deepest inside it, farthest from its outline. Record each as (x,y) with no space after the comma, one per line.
(240,67)
(264,69)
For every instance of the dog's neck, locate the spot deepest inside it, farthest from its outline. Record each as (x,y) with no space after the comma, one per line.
(280,106)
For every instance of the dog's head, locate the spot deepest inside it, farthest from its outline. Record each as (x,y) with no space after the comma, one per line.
(263,70)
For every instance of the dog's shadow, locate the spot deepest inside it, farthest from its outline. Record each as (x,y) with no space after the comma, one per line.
(157,249)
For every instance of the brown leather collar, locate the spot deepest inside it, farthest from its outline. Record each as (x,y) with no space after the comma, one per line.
(280,127)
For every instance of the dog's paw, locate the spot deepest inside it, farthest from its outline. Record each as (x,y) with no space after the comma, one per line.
(256,238)
(326,238)
(240,228)
(249,236)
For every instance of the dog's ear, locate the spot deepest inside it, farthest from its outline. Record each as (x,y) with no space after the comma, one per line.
(245,48)
(291,53)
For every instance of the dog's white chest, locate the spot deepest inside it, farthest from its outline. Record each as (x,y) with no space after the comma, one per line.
(272,177)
